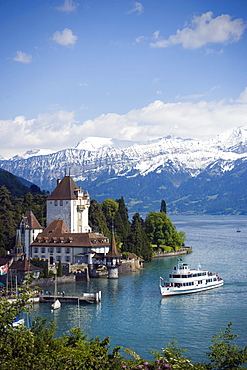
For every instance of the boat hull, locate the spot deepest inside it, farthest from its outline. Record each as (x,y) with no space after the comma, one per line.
(167,291)
(56,305)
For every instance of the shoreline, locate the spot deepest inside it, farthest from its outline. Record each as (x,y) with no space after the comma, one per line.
(185,250)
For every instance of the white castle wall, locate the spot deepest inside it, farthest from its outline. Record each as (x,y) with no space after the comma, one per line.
(67,210)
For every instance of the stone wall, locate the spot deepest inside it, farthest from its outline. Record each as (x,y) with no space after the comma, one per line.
(50,281)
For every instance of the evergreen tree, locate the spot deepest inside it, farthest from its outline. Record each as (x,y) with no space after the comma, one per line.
(163,206)
(59,269)
(122,224)
(46,270)
(97,218)
(8,220)
(137,241)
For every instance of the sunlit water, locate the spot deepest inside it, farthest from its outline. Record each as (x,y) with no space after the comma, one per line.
(133,314)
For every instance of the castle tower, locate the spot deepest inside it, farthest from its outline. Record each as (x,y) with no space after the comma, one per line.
(112,259)
(69,203)
(29,227)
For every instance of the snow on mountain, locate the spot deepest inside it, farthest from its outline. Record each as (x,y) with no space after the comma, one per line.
(94,157)
(93,143)
(34,153)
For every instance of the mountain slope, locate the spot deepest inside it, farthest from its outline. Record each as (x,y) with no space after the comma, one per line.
(191,175)
(17,186)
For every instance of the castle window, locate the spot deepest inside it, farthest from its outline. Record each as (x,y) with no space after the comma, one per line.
(58,250)
(35,250)
(42,250)
(55,203)
(61,203)
(51,250)
(67,258)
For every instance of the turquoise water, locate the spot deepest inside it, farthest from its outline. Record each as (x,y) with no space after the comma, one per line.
(133,314)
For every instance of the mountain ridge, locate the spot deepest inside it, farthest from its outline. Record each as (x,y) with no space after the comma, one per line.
(113,167)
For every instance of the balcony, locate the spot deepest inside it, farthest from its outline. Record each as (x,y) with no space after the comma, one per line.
(80,208)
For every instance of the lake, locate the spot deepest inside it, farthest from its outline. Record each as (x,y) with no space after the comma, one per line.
(133,314)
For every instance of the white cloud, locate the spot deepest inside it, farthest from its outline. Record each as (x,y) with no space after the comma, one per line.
(202,119)
(65,38)
(243,97)
(22,57)
(138,8)
(205,30)
(68,6)
(139,39)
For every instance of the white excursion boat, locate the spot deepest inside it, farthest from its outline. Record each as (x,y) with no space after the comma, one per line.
(184,280)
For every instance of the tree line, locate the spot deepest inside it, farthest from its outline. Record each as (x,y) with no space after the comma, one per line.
(139,236)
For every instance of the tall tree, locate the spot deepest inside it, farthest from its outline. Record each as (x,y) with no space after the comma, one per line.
(97,219)
(137,241)
(163,206)
(8,220)
(161,230)
(122,224)
(59,269)
(110,208)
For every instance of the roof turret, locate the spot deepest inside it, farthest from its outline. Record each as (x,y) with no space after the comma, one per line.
(113,253)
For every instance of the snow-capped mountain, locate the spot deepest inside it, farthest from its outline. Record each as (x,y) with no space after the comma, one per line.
(154,170)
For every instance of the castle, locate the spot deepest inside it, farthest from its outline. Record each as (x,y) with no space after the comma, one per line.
(68,237)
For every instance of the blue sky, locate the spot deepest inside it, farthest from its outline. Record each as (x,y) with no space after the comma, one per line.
(121,69)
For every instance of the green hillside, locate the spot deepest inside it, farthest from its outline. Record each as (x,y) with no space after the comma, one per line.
(15,185)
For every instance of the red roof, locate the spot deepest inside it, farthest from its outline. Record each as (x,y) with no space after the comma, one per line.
(56,234)
(113,253)
(33,223)
(65,190)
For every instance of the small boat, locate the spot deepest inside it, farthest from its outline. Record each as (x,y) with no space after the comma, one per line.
(184,280)
(56,304)
(238,230)
(17,321)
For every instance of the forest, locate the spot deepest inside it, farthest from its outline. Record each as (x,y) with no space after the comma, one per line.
(140,236)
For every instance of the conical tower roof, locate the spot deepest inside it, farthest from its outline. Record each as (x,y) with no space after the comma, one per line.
(65,190)
(32,221)
(113,253)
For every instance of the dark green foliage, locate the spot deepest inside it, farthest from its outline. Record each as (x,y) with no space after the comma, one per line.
(161,230)
(122,223)
(137,241)
(59,269)
(38,262)
(224,355)
(36,348)
(15,185)
(163,206)
(46,270)
(97,218)
(110,208)
(11,211)
(8,220)
(137,236)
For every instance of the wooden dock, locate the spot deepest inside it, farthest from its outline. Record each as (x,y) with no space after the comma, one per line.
(86,297)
